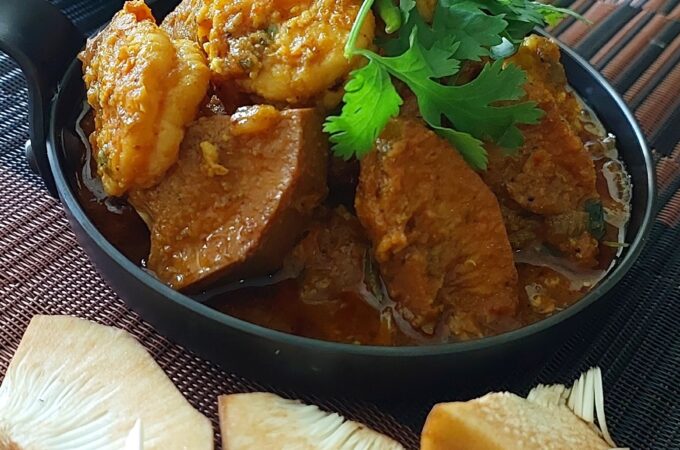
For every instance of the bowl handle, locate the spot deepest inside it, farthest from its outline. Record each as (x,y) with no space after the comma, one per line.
(43,42)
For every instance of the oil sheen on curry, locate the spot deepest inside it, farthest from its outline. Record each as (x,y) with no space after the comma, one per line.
(204,160)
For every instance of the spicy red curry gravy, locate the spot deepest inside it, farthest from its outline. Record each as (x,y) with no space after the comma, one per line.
(406,250)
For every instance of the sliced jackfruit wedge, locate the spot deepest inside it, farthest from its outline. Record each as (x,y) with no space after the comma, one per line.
(585,398)
(268,422)
(551,417)
(73,384)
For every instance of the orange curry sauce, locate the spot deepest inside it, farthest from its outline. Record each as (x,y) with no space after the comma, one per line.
(339,295)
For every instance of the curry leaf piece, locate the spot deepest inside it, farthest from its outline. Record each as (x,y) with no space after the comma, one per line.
(370,101)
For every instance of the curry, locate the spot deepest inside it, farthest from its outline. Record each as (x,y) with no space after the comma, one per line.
(217,176)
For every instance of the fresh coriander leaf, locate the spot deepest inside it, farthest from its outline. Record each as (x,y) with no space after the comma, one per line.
(471,149)
(411,19)
(474,107)
(471,108)
(502,50)
(370,101)
(435,62)
(475,30)
(390,15)
(461,22)
(522,16)
(552,18)
(553,14)
(521,10)
(406,7)
(440,52)
(488,108)
(417,62)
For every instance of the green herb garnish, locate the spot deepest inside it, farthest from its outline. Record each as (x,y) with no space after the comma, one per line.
(424,56)
(596,225)
(370,101)
(390,15)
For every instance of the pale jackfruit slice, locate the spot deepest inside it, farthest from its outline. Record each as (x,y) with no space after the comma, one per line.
(135,438)
(266,421)
(585,399)
(552,417)
(73,384)
(502,420)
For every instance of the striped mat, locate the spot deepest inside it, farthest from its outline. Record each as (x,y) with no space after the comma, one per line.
(636,45)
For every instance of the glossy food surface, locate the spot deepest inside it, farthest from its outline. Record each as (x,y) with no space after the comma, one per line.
(237,198)
(437,233)
(144,88)
(409,244)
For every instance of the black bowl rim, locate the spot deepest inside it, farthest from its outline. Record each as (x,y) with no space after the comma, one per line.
(622,266)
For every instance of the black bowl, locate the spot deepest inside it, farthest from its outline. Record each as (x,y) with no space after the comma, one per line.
(264,354)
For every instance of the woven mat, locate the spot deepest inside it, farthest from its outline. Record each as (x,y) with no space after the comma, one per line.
(636,45)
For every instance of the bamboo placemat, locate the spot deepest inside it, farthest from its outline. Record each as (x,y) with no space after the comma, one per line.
(635,44)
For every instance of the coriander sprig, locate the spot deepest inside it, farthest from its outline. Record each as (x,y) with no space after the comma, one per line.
(421,55)
(370,101)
